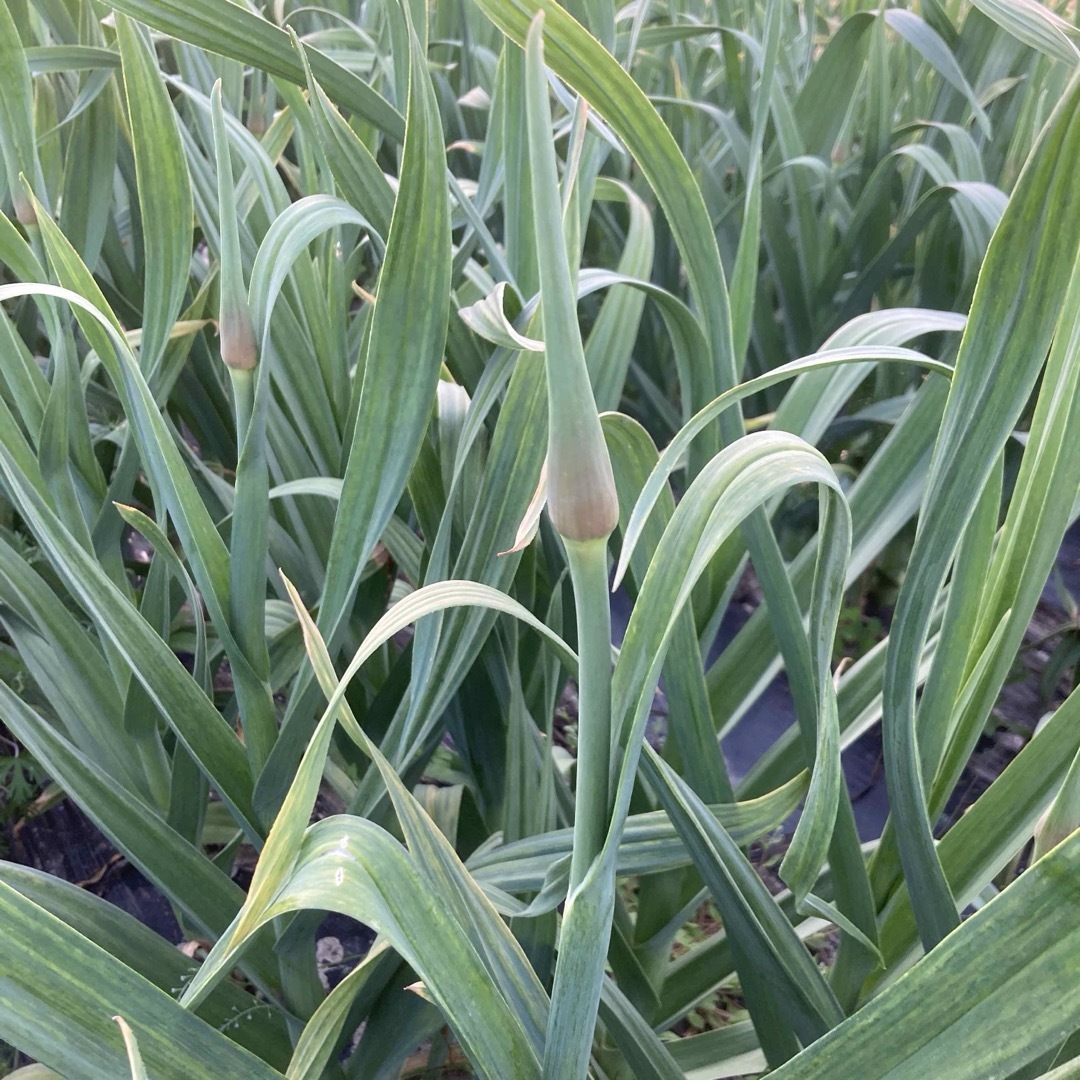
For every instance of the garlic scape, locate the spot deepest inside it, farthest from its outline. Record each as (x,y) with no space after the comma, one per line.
(582,501)
(236,332)
(581,489)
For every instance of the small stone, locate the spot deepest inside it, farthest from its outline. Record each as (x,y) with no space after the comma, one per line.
(329,952)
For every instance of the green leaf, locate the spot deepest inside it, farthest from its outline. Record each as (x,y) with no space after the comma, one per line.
(17,137)
(164,188)
(231,30)
(998,825)
(60,992)
(197,723)
(920,35)
(409,321)
(464,902)
(131,1045)
(994,995)
(316,1043)
(1009,331)
(650,844)
(355,169)
(254,1024)
(675,450)
(1034,24)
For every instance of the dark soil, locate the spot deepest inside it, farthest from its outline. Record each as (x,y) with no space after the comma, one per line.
(65,843)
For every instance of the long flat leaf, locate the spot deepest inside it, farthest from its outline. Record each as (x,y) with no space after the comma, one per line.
(59,993)
(231,30)
(409,326)
(994,995)
(164,190)
(1014,311)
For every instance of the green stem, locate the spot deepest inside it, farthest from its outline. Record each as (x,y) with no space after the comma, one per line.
(247,585)
(588,573)
(243,384)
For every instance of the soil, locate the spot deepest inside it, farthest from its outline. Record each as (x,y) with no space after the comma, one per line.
(65,843)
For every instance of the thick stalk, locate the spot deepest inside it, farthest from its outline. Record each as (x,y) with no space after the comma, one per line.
(247,583)
(588,573)
(243,386)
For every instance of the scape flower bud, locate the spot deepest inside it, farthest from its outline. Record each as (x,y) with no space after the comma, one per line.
(237,337)
(582,500)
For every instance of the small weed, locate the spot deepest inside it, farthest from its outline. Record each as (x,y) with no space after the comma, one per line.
(856,634)
(21,780)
